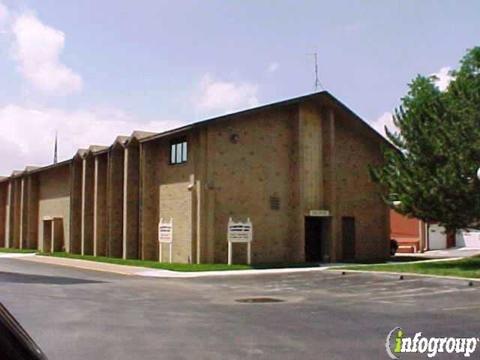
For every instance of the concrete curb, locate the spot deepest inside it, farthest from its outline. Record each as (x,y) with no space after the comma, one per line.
(82,264)
(16,255)
(416,262)
(446,277)
(197,274)
(159,273)
(128,270)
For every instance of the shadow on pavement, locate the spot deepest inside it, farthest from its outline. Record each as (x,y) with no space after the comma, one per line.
(8,277)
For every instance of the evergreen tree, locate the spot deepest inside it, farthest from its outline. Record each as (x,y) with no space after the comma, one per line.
(431,171)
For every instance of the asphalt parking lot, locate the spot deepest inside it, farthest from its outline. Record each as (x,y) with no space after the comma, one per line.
(81,314)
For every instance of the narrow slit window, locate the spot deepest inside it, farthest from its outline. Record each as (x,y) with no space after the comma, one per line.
(173,151)
(178,151)
(184,151)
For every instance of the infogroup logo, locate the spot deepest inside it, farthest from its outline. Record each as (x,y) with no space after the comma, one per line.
(398,343)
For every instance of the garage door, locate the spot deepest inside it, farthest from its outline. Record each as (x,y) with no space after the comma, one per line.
(437,237)
(469,239)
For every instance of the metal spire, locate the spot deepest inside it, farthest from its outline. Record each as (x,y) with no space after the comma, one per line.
(55,151)
(318,84)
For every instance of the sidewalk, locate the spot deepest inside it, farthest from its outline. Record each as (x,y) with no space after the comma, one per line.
(158,273)
(83,264)
(444,254)
(15,255)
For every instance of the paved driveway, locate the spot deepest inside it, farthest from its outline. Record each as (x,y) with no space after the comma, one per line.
(81,314)
(444,254)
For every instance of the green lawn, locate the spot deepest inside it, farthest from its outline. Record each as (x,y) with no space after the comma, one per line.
(150,264)
(175,267)
(468,267)
(10,250)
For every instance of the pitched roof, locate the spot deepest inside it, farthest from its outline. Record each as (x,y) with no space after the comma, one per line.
(322,96)
(144,136)
(97,148)
(141,134)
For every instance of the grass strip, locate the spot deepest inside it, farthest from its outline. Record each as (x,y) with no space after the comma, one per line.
(467,268)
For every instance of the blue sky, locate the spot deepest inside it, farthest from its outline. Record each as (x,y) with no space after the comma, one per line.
(113,66)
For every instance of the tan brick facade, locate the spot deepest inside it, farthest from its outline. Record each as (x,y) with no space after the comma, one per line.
(54,200)
(298,169)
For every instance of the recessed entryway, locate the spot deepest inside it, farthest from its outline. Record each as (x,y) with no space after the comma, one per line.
(53,237)
(313,238)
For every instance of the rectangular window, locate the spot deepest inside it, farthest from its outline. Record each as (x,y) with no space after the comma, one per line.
(179,154)
(178,151)
(184,151)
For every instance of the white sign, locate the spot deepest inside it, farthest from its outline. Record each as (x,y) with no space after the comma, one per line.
(240,232)
(165,231)
(165,236)
(319,213)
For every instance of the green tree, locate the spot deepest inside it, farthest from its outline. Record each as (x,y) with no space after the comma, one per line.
(430,172)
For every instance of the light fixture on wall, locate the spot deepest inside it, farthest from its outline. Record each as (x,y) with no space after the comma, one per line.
(234,138)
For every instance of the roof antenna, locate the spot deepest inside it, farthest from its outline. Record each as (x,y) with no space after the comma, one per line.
(318,84)
(55,150)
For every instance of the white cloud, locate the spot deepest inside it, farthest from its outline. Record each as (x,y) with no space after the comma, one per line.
(272,67)
(442,78)
(4,19)
(27,134)
(386,119)
(3,14)
(217,96)
(36,48)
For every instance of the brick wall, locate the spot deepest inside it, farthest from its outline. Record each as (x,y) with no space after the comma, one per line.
(54,199)
(249,165)
(357,195)
(175,198)
(273,166)
(3,211)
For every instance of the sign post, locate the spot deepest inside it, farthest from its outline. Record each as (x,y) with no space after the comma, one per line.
(165,236)
(240,232)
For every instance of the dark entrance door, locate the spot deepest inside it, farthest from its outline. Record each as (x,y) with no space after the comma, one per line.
(348,238)
(313,239)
